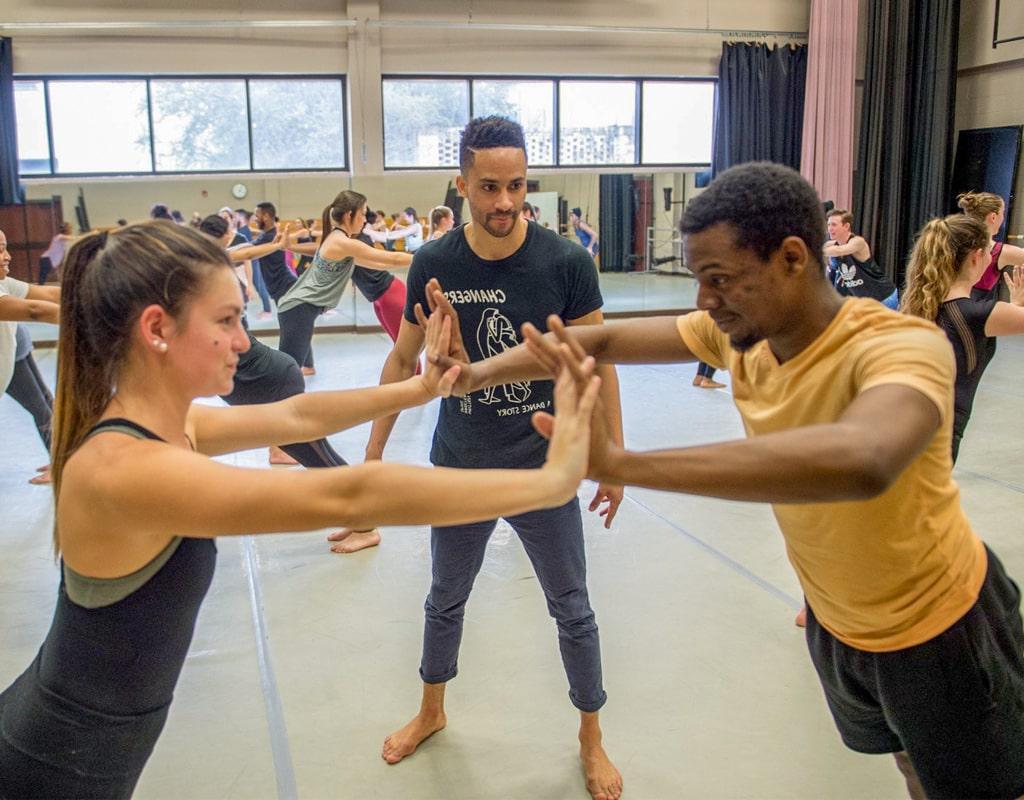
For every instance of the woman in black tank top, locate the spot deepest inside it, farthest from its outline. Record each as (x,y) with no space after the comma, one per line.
(151,319)
(949,257)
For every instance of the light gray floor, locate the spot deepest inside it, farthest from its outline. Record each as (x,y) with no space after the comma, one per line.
(303,661)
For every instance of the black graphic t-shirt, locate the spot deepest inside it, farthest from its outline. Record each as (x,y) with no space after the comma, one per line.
(853,278)
(547,275)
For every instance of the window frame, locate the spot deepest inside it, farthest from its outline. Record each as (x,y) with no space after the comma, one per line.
(638,80)
(149,78)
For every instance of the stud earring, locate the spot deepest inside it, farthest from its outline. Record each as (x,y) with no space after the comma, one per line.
(161,346)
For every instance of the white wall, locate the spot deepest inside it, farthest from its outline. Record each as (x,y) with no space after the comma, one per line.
(364,53)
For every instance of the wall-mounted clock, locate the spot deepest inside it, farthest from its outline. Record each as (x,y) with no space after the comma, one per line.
(239,191)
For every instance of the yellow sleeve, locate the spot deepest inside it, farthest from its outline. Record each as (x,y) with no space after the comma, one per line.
(702,338)
(920,358)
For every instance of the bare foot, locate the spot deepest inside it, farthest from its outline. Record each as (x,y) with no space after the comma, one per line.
(350,541)
(44,468)
(698,380)
(42,478)
(707,383)
(404,741)
(801,618)
(604,782)
(278,457)
(307,371)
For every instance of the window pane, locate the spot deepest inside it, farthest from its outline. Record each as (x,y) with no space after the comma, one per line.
(530,103)
(30,113)
(99,126)
(423,120)
(597,122)
(297,124)
(678,122)
(200,125)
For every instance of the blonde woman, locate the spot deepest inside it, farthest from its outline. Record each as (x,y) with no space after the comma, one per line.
(989,209)
(949,257)
(442,220)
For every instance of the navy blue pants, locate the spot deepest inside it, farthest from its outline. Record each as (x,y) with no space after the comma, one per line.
(553,539)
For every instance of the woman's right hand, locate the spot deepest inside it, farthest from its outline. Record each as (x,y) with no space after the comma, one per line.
(1014,277)
(569,430)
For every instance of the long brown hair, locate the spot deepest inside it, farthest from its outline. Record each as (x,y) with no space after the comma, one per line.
(344,203)
(941,248)
(979,204)
(109,278)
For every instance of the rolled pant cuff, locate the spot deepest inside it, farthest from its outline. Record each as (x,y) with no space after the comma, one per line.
(590,707)
(442,677)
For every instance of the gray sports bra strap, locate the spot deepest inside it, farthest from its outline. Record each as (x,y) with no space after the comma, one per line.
(99,592)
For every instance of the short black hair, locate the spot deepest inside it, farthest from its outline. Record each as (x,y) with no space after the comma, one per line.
(765,203)
(485,133)
(411,212)
(160,211)
(214,225)
(267,208)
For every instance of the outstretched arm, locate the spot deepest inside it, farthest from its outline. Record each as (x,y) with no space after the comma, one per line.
(15,309)
(651,340)
(854,458)
(313,415)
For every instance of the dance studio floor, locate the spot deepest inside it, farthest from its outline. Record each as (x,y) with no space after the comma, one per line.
(303,661)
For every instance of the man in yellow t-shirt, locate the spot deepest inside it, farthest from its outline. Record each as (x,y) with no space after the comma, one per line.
(913,626)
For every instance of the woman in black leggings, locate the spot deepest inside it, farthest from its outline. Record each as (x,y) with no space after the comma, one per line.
(30,390)
(139,499)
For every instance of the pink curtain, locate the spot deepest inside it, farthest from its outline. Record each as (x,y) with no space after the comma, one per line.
(826,159)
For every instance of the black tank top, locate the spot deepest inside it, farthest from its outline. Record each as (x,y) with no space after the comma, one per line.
(88,711)
(853,278)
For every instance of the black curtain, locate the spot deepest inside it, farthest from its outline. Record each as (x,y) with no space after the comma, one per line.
(760,109)
(906,125)
(616,222)
(10,187)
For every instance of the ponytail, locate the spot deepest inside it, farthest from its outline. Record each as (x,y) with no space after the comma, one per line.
(344,203)
(109,278)
(940,251)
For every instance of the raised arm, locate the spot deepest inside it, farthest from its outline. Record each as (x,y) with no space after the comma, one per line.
(49,294)
(854,458)
(15,309)
(313,415)
(1007,319)
(856,247)
(651,340)
(143,489)
(1010,255)
(337,247)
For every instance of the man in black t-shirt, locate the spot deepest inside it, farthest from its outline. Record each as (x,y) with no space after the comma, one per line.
(500,271)
(276,275)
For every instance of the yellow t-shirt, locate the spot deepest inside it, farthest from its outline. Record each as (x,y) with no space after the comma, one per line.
(889,572)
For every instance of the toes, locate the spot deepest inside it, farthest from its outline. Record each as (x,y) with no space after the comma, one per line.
(338,536)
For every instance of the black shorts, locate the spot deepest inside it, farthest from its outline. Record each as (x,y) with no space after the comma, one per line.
(955,703)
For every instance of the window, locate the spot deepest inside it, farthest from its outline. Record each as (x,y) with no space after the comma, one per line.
(99,126)
(102,126)
(423,120)
(571,121)
(296,124)
(200,125)
(678,122)
(33,142)
(530,103)
(597,122)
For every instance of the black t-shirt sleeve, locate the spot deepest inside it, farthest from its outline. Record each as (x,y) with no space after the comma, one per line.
(416,287)
(977,315)
(583,295)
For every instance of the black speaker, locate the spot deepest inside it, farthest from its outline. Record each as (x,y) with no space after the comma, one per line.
(986,161)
